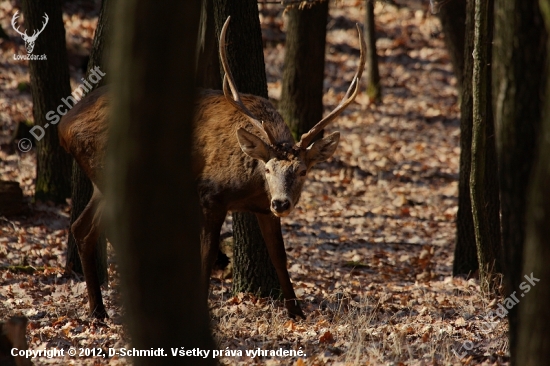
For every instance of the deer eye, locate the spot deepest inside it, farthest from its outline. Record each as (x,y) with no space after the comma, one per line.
(303,173)
(267,171)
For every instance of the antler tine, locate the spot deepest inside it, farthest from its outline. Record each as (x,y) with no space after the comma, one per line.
(350,95)
(45,22)
(228,84)
(14,25)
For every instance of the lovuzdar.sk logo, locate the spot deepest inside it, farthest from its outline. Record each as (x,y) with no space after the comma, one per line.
(29,40)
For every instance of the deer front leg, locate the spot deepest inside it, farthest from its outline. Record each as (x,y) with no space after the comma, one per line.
(86,230)
(273,237)
(210,242)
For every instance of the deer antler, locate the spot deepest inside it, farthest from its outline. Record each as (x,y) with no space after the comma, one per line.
(35,33)
(353,89)
(14,25)
(235,98)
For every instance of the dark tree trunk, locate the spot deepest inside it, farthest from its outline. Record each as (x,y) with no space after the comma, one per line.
(304,68)
(483,175)
(208,65)
(11,198)
(533,344)
(49,83)
(246,59)
(3,34)
(452,15)
(374,90)
(465,261)
(151,196)
(81,185)
(518,85)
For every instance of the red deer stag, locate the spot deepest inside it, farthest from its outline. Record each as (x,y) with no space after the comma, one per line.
(244,159)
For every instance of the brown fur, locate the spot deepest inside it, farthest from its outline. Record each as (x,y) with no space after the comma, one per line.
(228,179)
(83,133)
(222,169)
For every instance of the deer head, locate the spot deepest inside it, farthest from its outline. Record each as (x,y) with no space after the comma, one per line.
(286,163)
(29,40)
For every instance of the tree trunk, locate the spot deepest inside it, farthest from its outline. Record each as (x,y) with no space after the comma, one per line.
(81,185)
(304,68)
(452,15)
(151,195)
(208,65)
(246,59)
(49,83)
(483,175)
(3,34)
(465,261)
(11,198)
(374,90)
(518,63)
(533,347)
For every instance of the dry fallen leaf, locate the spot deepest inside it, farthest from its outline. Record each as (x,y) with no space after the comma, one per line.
(326,337)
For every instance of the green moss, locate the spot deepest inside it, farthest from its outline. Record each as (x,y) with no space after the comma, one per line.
(355,264)
(22,269)
(374,91)
(23,87)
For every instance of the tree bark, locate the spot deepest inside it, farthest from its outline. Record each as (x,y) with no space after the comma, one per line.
(452,15)
(534,315)
(246,59)
(11,198)
(301,102)
(153,208)
(81,185)
(374,90)
(518,63)
(49,83)
(465,261)
(208,65)
(483,175)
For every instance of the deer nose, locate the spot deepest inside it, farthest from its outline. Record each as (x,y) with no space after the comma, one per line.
(280,205)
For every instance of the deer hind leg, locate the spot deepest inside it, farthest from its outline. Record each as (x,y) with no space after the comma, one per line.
(210,242)
(273,237)
(86,230)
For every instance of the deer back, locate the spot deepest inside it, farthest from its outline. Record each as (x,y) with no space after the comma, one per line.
(83,133)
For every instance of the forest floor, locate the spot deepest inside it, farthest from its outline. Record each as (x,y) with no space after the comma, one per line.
(370,246)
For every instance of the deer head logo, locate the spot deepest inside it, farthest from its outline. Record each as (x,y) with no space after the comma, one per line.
(29,40)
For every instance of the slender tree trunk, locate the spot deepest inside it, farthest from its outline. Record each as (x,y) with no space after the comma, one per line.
(518,85)
(452,15)
(465,261)
(483,175)
(49,83)
(374,90)
(304,67)
(81,185)
(533,347)
(151,195)
(253,270)
(3,34)
(208,65)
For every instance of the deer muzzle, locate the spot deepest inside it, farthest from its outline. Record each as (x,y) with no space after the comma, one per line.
(281,207)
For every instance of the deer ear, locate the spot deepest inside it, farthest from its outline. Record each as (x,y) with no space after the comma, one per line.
(322,149)
(252,145)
